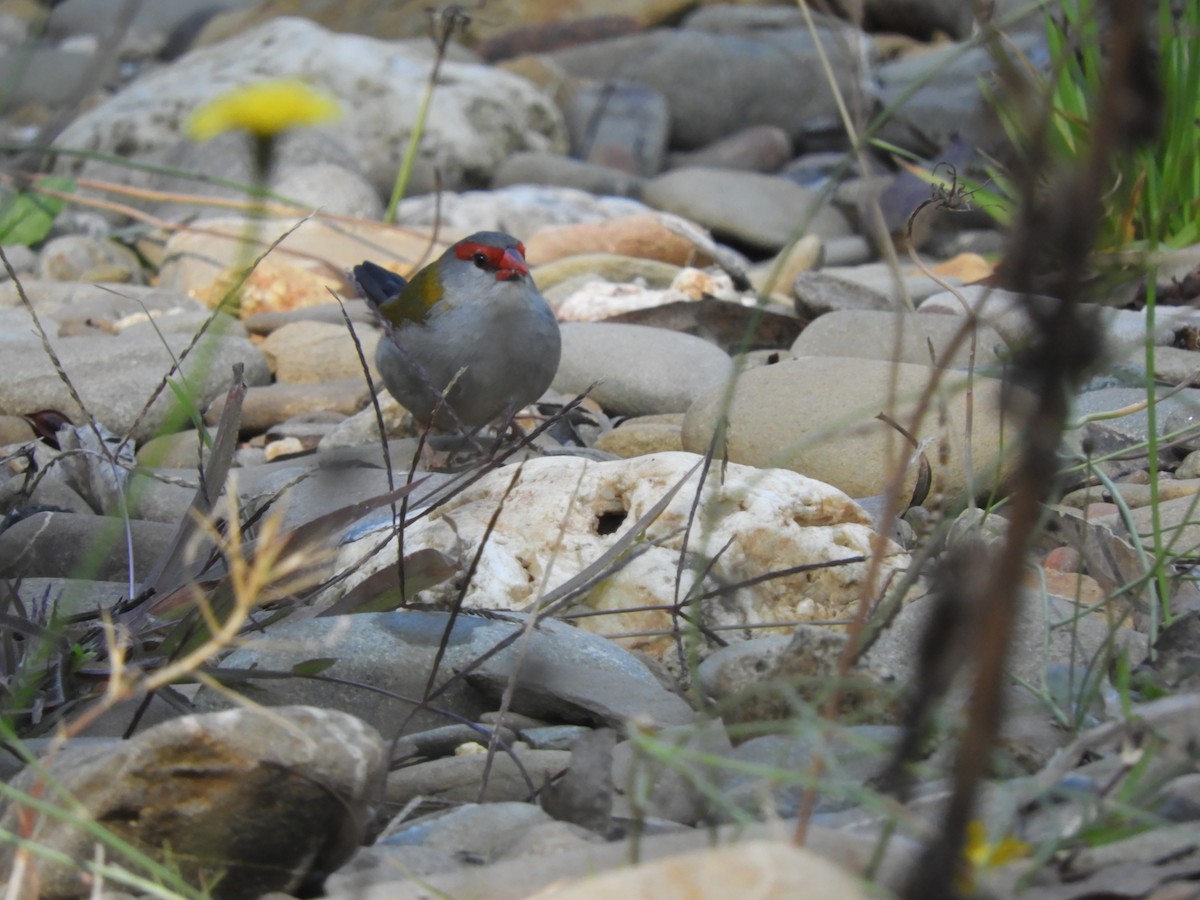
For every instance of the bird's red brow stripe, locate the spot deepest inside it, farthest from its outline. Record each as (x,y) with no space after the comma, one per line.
(467,251)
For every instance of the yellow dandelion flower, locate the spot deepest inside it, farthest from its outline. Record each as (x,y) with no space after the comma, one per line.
(981,853)
(264,109)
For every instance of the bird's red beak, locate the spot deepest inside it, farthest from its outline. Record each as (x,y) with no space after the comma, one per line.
(512,265)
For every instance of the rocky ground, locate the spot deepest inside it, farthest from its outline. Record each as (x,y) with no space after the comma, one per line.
(719,266)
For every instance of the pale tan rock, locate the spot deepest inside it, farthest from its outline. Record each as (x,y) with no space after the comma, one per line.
(638,438)
(198,261)
(605,266)
(1135,495)
(313,352)
(263,798)
(284,448)
(647,237)
(803,256)
(817,415)
(765,870)
(562,514)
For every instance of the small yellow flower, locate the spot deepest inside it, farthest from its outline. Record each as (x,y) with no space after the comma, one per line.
(264,109)
(980,853)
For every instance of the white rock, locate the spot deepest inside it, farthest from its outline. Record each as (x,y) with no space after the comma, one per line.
(595,301)
(519,209)
(478,117)
(562,514)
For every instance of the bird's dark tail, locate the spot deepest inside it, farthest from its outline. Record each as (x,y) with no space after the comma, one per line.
(378,284)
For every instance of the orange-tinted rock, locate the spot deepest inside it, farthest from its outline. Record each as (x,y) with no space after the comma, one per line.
(645,236)
(544,36)
(310,258)
(1062,559)
(271,287)
(966,267)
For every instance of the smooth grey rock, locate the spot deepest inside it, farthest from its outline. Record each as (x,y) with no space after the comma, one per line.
(47,76)
(485,831)
(714,82)
(21,258)
(640,370)
(66,597)
(980,241)
(73,18)
(262,323)
(936,95)
(814,170)
(1172,365)
(52,492)
(671,790)
(532,167)
(1007,312)
(331,188)
(77,257)
(565,674)
(1050,632)
(1030,734)
(1176,520)
(883,279)
(441,841)
(272,404)
(873,334)
(461,778)
(162,496)
(367,648)
(851,250)
(305,488)
(553,737)
(64,300)
(618,124)
(300,157)
(71,545)
(115,376)
(852,756)
(446,740)
(186,321)
(1179,799)
(757,148)
(769,210)
(1110,435)
(819,293)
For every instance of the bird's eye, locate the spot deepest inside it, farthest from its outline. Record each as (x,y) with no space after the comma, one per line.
(481,260)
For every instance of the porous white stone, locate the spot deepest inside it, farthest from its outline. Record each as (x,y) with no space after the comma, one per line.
(562,514)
